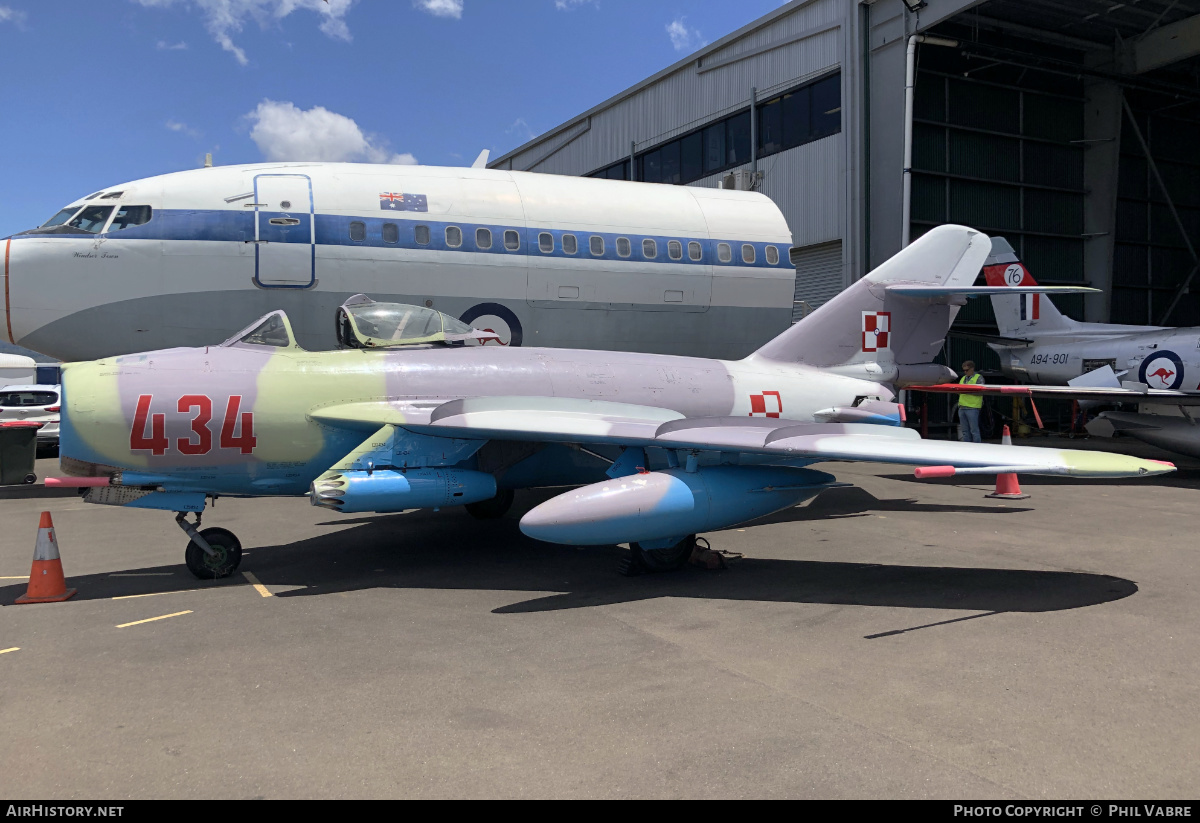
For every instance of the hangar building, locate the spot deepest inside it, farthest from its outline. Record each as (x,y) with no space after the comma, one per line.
(1066,126)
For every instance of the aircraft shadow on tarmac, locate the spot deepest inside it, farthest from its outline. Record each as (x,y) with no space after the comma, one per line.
(452,551)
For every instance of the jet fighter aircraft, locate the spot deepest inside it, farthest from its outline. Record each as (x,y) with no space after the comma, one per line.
(406,416)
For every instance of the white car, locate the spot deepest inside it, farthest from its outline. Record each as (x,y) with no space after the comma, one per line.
(39,404)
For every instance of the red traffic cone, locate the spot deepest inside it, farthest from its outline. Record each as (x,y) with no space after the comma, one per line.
(1007,487)
(46,581)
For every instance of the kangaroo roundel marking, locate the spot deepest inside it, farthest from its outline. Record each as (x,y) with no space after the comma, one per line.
(1014,274)
(1162,370)
(497,318)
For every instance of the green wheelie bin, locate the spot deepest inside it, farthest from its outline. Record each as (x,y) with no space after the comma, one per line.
(18,451)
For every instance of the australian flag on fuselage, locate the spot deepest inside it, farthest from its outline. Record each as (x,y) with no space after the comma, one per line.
(394,201)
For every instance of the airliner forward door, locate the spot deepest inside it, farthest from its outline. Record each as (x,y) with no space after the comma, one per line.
(284,231)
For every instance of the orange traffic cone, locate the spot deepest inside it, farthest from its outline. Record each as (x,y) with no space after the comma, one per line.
(1007,487)
(46,581)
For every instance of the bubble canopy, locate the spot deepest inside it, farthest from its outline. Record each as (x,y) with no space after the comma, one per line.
(363,323)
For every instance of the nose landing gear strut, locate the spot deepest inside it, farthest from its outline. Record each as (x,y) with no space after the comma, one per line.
(212,553)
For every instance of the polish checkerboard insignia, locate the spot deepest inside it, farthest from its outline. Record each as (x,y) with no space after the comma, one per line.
(767,404)
(876,330)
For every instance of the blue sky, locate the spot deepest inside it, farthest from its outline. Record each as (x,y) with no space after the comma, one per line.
(99,93)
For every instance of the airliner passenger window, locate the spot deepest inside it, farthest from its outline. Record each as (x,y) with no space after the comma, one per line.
(546,242)
(453,236)
(421,235)
(483,239)
(772,255)
(130,216)
(623,248)
(570,246)
(512,240)
(358,231)
(597,245)
(724,253)
(60,218)
(694,250)
(747,253)
(649,249)
(675,250)
(391,233)
(91,219)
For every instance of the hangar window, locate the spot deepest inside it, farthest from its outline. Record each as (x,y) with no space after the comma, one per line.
(649,249)
(570,245)
(60,218)
(597,245)
(358,231)
(453,236)
(130,216)
(695,251)
(421,235)
(714,148)
(546,242)
(675,250)
(623,247)
(483,238)
(747,253)
(724,253)
(772,255)
(737,139)
(91,219)
(512,240)
(391,233)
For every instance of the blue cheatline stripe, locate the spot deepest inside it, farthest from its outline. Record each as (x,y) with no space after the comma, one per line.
(334,230)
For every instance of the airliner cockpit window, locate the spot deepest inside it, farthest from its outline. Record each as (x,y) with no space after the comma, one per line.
(60,218)
(91,219)
(130,216)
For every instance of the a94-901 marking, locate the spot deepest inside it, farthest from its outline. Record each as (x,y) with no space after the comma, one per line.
(154,437)
(1058,359)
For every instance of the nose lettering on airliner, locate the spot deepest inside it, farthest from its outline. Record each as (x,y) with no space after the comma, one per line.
(876,330)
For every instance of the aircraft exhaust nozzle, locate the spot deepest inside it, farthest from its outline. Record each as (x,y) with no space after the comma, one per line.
(389,490)
(669,504)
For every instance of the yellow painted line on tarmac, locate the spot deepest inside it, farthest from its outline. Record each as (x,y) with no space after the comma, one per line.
(142,574)
(18,577)
(13,649)
(152,619)
(153,594)
(259,587)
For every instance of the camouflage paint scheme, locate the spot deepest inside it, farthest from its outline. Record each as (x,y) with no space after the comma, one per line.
(374,415)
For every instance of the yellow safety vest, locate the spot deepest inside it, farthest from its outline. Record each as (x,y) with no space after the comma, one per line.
(971,401)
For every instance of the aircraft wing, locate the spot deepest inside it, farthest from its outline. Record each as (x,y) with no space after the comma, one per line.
(564,420)
(1125,394)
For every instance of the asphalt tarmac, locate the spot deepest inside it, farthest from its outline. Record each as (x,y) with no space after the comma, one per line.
(894,639)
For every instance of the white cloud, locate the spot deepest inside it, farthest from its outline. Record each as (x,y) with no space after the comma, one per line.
(284,132)
(441,8)
(11,15)
(182,128)
(225,18)
(520,129)
(683,38)
(163,45)
(571,5)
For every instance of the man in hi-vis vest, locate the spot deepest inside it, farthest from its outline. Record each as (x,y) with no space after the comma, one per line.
(969,405)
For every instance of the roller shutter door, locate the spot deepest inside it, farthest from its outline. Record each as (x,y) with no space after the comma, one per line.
(818,275)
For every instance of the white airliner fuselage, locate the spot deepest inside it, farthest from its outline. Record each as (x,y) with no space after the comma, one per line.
(188,258)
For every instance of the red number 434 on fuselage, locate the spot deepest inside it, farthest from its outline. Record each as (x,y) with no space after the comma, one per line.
(201,437)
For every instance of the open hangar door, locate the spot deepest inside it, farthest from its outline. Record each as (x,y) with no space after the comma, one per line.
(1068,128)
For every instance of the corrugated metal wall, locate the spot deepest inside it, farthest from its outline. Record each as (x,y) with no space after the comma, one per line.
(809,183)
(818,276)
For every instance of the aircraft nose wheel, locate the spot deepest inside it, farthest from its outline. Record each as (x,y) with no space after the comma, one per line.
(657,560)
(212,553)
(226,556)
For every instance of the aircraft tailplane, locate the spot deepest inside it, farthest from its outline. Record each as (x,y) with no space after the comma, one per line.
(1020,315)
(869,329)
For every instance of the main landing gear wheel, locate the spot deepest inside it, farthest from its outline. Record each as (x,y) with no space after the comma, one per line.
(227,555)
(492,509)
(658,560)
